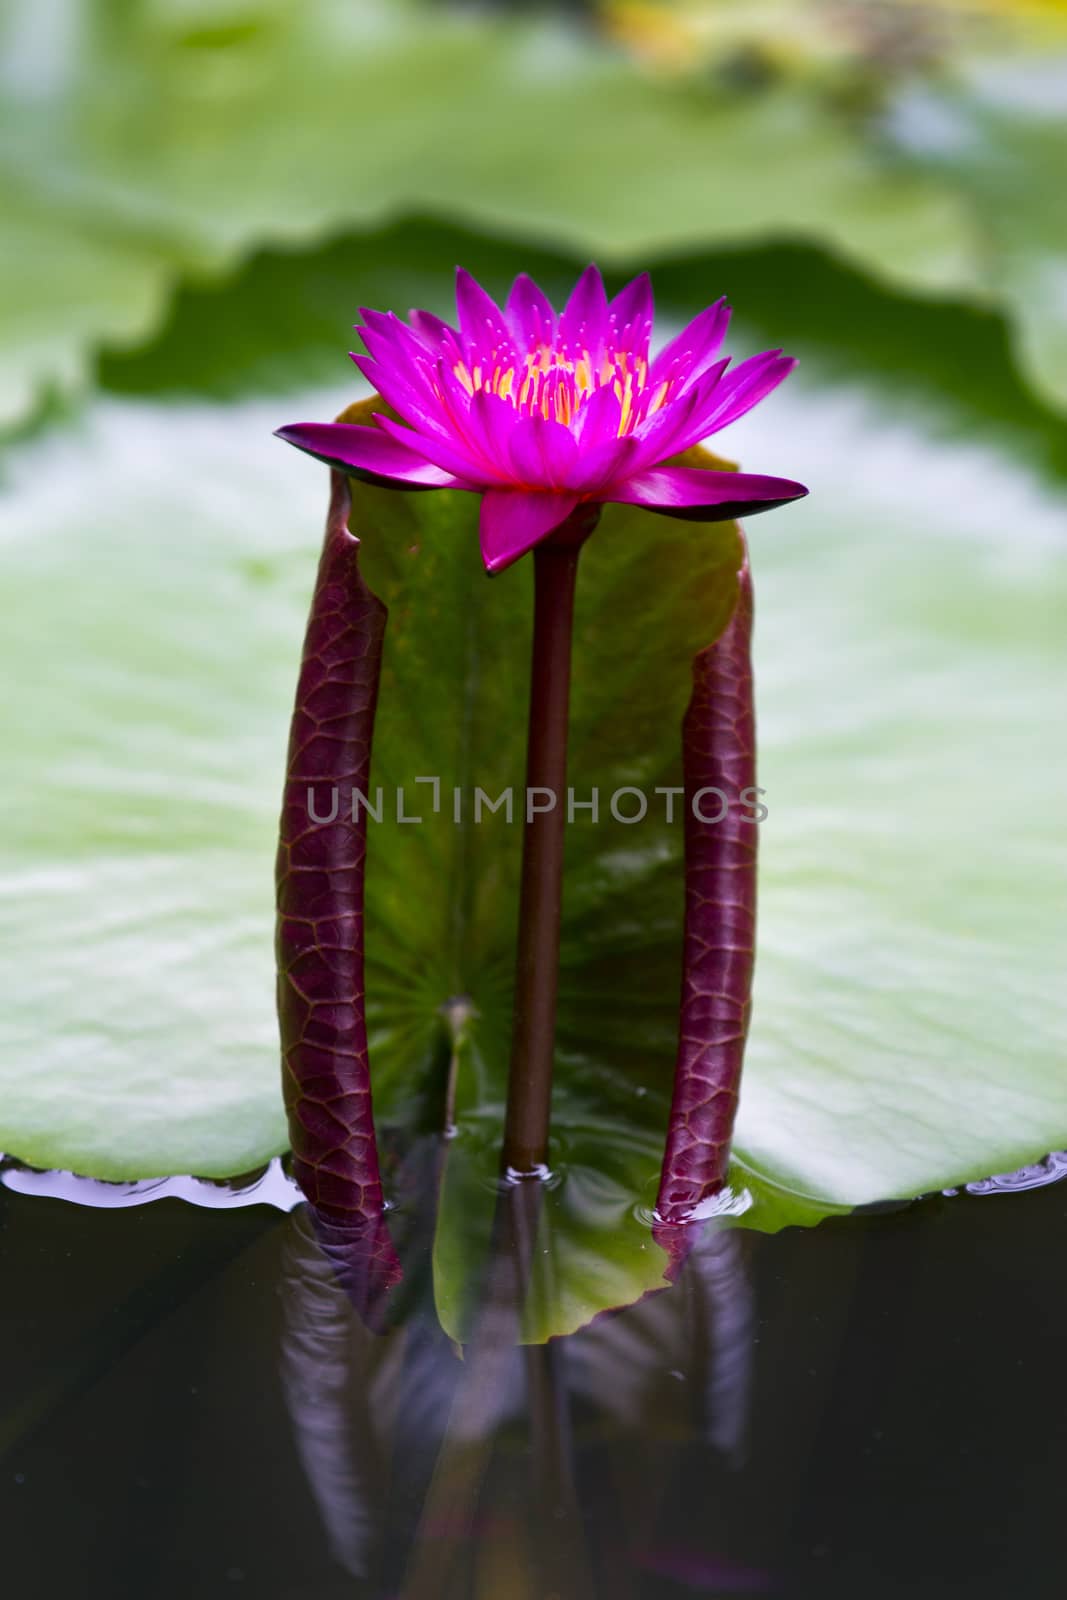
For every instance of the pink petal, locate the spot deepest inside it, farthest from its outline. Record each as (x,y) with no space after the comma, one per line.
(385,324)
(701,496)
(450,454)
(584,322)
(630,317)
(601,452)
(420,406)
(530,314)
(599,418)
(437,336)
(714,400)
(543,453)
(391,341)
(464,427)
(429,326)
(495,421)
(695,348)
(666,432)
(513,521)
(606,463)
(744,387)
(481,321)
(368,453)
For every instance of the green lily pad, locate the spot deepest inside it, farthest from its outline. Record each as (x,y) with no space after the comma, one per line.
(64,286)
(996,133)
(159,142)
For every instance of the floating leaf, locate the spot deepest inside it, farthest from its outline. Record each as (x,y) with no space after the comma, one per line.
(996,133)
(144,145)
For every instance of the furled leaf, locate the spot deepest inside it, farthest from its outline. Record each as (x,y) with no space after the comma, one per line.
(721,864)
(319,937)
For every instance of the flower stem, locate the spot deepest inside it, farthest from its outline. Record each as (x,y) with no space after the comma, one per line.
(537,967)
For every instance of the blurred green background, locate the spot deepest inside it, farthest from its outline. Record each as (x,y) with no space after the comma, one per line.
(151,143)
(197,195)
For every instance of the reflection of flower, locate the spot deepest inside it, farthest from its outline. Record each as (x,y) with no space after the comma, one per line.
(542,414)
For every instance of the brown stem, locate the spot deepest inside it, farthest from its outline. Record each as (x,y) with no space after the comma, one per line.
(537,968)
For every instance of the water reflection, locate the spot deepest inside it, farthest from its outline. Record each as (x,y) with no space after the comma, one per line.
(324,1358)
(443,1470)
(146,1417)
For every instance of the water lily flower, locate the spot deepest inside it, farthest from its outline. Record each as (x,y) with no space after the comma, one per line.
(545,414)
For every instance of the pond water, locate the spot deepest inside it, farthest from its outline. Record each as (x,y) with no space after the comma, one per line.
(872,1407)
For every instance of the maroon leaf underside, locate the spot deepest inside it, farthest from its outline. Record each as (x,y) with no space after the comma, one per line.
(719,751)
(320,927)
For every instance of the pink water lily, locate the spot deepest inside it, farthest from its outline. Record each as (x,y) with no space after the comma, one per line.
(542,413)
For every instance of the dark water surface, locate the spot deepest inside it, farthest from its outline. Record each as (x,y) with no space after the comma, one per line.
(873,1407)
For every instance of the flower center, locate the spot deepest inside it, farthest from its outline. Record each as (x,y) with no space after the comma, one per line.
(557,387)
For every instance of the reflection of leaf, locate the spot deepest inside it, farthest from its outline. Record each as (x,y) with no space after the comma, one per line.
(141,147)
(590,1249)
(908,1029)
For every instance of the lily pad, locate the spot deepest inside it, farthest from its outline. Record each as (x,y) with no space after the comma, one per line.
(142,146)
(996,133)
